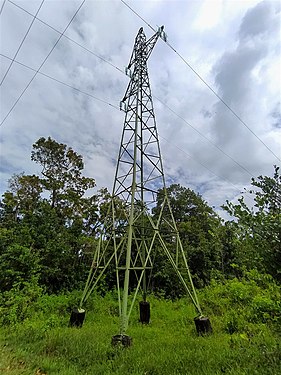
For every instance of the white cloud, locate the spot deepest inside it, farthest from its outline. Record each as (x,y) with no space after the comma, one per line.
(209,16)
(219,39)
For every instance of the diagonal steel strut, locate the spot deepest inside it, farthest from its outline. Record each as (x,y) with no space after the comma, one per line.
(131,233)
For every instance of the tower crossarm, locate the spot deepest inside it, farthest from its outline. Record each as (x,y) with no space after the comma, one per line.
(139,223)
(150,43)
(141,52)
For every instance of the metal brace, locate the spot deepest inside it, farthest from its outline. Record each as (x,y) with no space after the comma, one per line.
(128,72)
(162,33)
(123,106)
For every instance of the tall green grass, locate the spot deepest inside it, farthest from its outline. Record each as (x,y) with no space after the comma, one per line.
(245,316)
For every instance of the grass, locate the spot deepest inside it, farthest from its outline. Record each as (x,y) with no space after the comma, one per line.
(43,343)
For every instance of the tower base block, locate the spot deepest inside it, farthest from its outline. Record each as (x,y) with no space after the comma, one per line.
(144,312)
(203,325)
(77,318)
(122,340)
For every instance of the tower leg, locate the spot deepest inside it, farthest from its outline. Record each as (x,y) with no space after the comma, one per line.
(122,340)
(144,312)
(203,325)
(77,318)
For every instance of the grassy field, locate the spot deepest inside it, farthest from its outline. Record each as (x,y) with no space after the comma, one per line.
(239,345)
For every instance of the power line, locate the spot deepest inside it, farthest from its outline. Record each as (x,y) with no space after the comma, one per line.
(67,37)
(138,15)
(223,101)
(30,26)
(205,83)
(203,165)
(61,82)
(115,107)
(80,6)
(2,7)
(203,136)
(120,70)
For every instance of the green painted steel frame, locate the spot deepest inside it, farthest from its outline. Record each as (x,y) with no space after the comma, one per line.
(129,234)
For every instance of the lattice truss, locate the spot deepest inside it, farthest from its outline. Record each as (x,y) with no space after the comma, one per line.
(136,226)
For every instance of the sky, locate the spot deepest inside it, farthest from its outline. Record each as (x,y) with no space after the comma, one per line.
(234,46)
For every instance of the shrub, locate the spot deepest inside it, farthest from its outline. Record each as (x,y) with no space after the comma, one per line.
(15,304)
(253,299)
(264,309)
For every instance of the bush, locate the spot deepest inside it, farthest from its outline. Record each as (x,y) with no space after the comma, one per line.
(239,303)
(15,304)
(265,309)
(18,264)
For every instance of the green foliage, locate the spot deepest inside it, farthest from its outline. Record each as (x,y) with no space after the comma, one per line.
(259,230)
(15,304)
(18,264)
(61,170)
(46,221)
(201,234)
(44,344)
(265,309)
(254,299)
(49,228)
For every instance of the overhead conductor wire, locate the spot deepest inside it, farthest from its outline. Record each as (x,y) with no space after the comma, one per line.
(112,105)
(120,70)
(30,26)
(2,7)
(205,83)
(43,62)
(61,82)
(67,37)
(115,107)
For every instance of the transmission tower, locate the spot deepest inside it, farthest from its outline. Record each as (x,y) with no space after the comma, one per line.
(132,232)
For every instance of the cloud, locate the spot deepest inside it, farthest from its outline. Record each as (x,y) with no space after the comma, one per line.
(236,53)
(261,20)
(208,16)
(276,116)
(240,84)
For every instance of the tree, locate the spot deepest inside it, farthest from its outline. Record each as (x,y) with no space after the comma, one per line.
(62,175)
(49,218)
(18,264)
(259,228)
(197,224)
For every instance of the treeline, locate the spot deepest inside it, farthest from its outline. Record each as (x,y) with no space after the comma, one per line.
(49,225)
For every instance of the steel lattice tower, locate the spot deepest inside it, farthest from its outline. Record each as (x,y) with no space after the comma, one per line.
(130,232)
